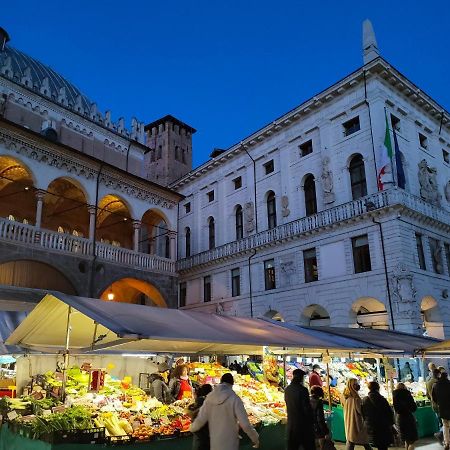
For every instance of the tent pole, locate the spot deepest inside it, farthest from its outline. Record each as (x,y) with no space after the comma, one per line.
(284,369)
(66,356)
(328,383)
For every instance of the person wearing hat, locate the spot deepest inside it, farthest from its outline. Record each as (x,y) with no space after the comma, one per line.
(158,386)
(314,377)
(300,418)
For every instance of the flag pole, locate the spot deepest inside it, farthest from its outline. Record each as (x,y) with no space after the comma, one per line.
(392,159)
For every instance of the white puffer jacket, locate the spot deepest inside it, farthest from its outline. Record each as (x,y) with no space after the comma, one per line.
(224,411)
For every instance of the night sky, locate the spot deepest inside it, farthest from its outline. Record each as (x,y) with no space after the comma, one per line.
(226,68)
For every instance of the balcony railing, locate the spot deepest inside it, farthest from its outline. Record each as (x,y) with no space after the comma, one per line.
(322,219)
(65,243)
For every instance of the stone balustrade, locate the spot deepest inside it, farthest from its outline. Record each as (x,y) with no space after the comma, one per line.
(322,219)
(23,234)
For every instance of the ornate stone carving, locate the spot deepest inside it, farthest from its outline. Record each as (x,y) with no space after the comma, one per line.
(428,184)
(327,182)
(285,211)
(287,270)
(447,191)
(403,289)
(436,254)
(249,215)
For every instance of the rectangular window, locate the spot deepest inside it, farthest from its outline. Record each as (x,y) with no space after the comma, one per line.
(235,282)
(183,156)
(395,122)
(310,265)
(351,126)
(210,195)
(436,255)
(269,275)
(159,154)
(361,254)
(423,141)
(269,167)
(420,253)
(237,183)
(182,295)
(187,208)
(207,288)
(447,255)
(306,148)
(446,156)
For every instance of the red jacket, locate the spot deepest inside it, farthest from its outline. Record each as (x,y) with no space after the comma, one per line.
(315,380)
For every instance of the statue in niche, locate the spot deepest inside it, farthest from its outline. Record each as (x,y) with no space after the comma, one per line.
(287,269)
(285,211)
(436,253)
(327,182)
(249,216)
(428,184)
(447,191)
(2,104)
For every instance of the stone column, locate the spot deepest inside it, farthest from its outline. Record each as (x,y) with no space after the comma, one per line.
(92,211)
(136,229)
(39,203)
(173,245)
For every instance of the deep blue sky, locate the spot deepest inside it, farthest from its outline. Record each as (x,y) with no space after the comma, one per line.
(226,68)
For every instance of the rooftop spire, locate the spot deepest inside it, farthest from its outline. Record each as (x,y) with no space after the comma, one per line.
(370,46)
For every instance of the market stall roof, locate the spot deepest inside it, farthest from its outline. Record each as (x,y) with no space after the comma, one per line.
(442,348)
(100,325)
(387,341)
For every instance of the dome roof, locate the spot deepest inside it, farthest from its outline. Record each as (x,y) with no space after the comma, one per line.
(24,69)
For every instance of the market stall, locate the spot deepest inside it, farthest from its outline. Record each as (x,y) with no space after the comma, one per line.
(64,323)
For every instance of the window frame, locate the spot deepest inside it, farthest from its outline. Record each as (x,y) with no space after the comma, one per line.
(207,290)
(361,254)
(423,140)
(310,267)
(351,126)
(310,195)
(420,251)
(271,206)
(211,196)
(446,156)
(211,233)
(269,167)
(360,183)
(187,242)
(187,207)
(396,123)
(309,148)
(237,182)
(236,282)
(239,222)
(270,279)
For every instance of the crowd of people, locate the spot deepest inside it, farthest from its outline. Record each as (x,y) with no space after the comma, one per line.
(218,414)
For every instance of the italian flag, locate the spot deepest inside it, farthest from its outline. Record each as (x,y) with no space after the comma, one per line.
(384,162)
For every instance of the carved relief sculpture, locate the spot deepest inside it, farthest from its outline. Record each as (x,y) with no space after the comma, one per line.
(249,216)
(285,211)
(327,182)
(403,291)
(428,184)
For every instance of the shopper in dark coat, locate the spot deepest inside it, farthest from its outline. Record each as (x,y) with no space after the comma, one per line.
(441,396)
(300,419)
(378,417)
(320,426)
(404,406)
(200,440)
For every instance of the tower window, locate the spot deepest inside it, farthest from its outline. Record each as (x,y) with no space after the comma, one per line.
(269,275)
(177,153)
(269,167)
(306,148)
(423,141)
(159,154)
(183,156)
(361,254)
(235,282)
(310,265)
(210,195)
(237,183)
(182,294)
(351,126)
(187,207)
(395,123)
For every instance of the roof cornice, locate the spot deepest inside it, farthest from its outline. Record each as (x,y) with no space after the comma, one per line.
(378,66)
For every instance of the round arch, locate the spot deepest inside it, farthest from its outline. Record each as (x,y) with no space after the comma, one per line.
(65,207)
(368,312)
(155,233)
(432,322)
(306,177)
(315,315)
(35,275)
(17,193)
(352,157)
(133,290)
(273,315)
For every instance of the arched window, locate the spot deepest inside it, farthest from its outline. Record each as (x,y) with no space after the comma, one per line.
(187,242)
(271,210)
(211,233)
(310,195)
(357,177)
(239,222)
(167,246)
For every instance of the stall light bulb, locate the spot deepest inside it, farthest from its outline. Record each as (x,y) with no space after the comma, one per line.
(110,296)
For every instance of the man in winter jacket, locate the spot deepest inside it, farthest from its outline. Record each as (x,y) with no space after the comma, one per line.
(224,412)
(441,396)
(300,418)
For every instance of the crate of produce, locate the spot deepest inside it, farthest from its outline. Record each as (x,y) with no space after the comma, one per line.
(120,440)
(87,436)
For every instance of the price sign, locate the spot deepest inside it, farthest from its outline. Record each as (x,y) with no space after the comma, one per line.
(326,359)
(28,418)
(12,415)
